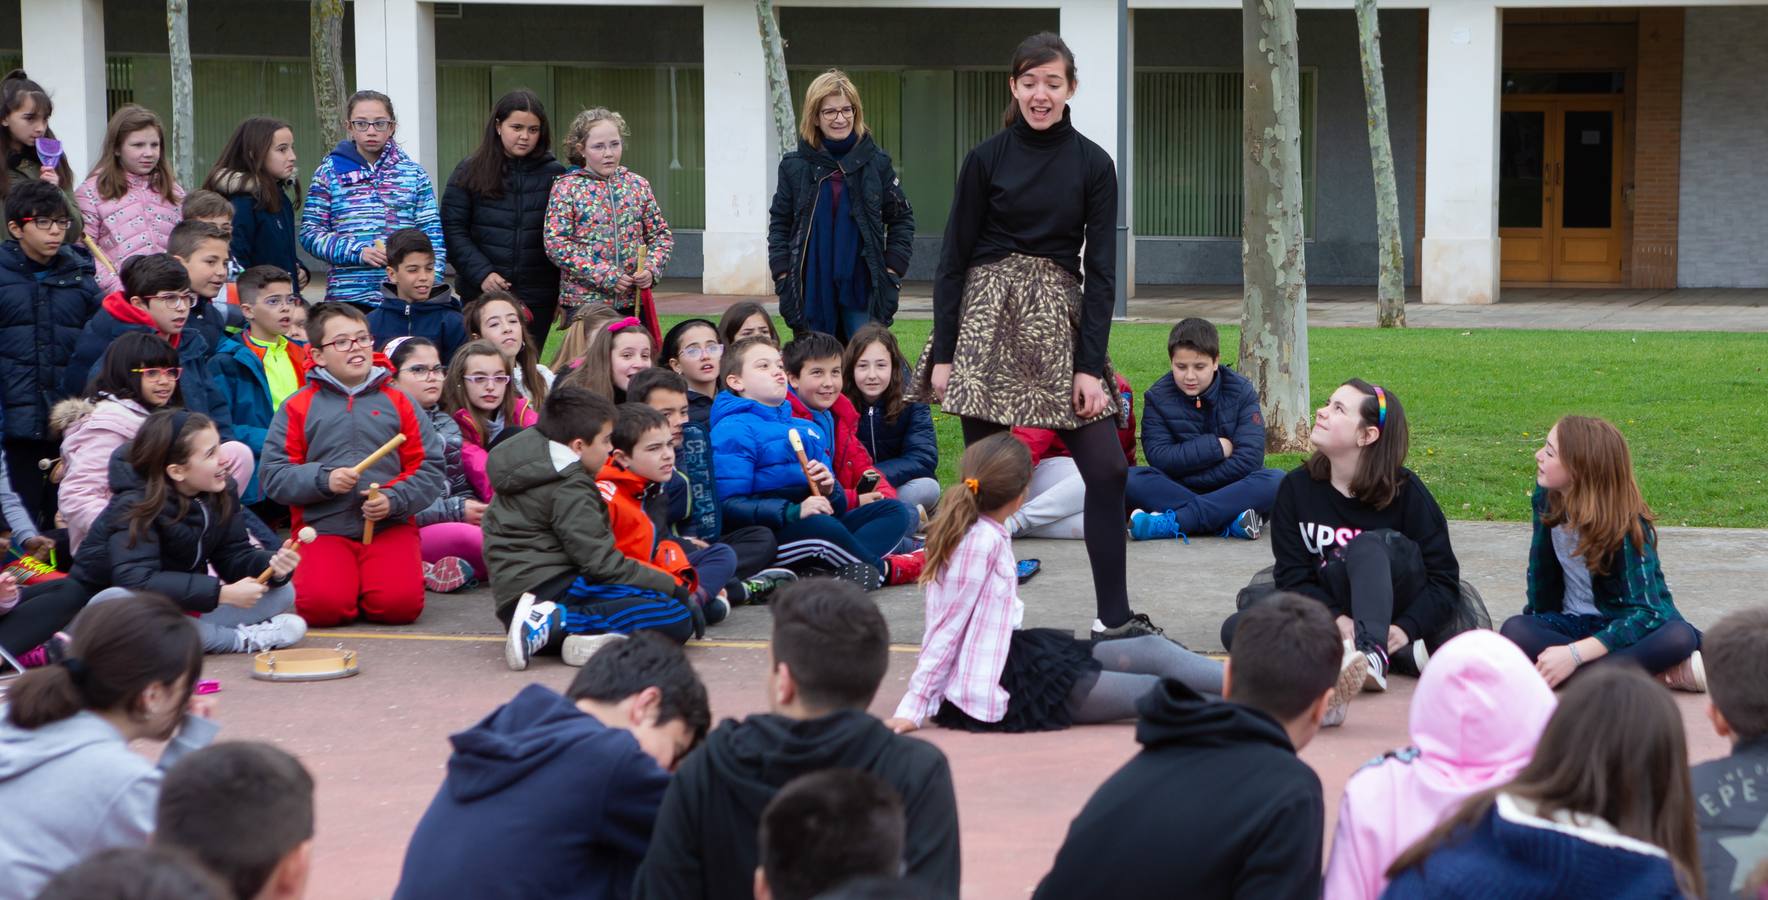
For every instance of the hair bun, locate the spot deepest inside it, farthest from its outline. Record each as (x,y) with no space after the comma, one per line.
(17,75)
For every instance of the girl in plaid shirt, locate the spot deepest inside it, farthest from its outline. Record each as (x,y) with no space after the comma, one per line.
(980,670)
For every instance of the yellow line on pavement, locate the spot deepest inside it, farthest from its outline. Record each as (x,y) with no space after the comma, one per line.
(350,634)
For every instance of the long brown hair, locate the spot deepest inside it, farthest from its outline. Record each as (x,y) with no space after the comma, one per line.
(112,179)
(527,357)
(241,168)
(167,438)
(597,371)
(1379,465)
(1043,47)
(993,473)
(1613,749)
(119,649)
(456,397)
(739,312)
(869,334)
(14,91)
(1602,503)
(483,173)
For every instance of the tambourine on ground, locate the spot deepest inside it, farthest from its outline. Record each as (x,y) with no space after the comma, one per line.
(306,664)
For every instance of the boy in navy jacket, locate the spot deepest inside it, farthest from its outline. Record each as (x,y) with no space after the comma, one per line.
(412,303)
(255,371)
(1204,439)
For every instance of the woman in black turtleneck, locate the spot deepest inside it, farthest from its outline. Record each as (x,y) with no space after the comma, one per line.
(1019,332)
(840,230)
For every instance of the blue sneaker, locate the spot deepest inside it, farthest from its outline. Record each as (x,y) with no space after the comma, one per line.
(1147,526)
(531,628)
(1247,526)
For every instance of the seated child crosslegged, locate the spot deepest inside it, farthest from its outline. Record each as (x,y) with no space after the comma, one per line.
(692,350)
(479,392)
(692,502)
(616,352)
(1730,804)
(979,669)
(244,809)
(761,482)
(348,409)
(412,302)
(258,369)
(897,434)
(1204,438)
(556,568)
(448,529)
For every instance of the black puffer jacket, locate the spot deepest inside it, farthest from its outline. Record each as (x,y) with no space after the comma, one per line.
(502,234)
(40,320)
(886,223)
(173,556)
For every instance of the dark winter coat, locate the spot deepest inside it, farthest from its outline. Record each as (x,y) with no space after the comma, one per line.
(236,375)
(1179,433)
(261,237)
(902,450)
(503,234)
(117,317)
(886,224)
(1730,805)
(174,555)
(438,319)
(758,478)
(40,320)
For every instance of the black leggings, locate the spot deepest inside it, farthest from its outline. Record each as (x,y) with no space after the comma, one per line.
(1099,457)
(43,609)
(1378,575)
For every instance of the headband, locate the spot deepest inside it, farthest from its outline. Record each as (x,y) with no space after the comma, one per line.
(393,345)
(1380,406)
(179,420)
(628,322)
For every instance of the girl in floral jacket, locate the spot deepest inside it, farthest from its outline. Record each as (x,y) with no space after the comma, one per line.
(364,190)
(604,229)
(131,200)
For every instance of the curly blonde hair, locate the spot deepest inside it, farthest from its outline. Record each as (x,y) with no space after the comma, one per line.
(578,133)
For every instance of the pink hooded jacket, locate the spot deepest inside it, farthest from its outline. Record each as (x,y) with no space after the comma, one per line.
(138,222)
(1478,711)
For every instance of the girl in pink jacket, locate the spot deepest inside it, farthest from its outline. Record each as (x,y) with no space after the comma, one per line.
(131,200)
(1478,711)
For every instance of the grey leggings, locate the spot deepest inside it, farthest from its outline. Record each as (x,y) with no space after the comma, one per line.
(1133,666)
(220,627)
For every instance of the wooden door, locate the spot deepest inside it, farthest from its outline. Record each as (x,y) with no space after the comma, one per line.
(1559,189)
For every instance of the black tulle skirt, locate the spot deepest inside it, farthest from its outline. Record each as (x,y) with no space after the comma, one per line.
(1042,666)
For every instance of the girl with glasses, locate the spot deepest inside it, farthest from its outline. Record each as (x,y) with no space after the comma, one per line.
(363,191)
(448,529)
(498,317)
(693,350)
(480,394)
(604,229)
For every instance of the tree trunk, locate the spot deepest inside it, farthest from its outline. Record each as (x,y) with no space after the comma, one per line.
(779,87)
(1391,295)
(1274,318)
(326,47)
(183,112)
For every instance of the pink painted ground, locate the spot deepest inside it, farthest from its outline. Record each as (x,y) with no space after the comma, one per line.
(376,744)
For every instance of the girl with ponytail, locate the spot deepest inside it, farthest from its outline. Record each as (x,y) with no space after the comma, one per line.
(65,762)
(980,670)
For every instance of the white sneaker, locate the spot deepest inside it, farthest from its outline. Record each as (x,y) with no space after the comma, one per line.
(1376,679)
(580,647)
(1688,675)
(274,633)
(530,629)
(1351,673)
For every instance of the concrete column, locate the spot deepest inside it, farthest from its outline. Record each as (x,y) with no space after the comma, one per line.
(1090,29)
(64,52)
(396,55)
(1460,260)
(738,158)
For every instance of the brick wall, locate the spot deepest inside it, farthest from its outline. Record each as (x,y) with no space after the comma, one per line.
(1657,148)
(1724,187)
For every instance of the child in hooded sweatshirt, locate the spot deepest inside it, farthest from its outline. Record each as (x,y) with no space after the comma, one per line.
(412,303)
(131,200)
(1476,715)
(365,189)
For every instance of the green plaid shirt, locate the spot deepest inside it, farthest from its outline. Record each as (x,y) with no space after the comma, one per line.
(1632,596)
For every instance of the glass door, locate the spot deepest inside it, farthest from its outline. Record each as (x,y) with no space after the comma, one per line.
(1559,161)
(1525,219)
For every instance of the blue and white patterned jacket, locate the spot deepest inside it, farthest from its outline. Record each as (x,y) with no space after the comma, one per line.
(351,204)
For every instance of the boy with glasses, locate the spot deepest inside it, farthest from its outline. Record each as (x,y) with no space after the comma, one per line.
(348,409)
(260,368)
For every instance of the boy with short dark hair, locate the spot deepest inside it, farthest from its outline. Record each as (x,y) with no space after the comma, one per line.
(348,409)
(203,247)
(826,829)
(1219,778)
(413,302)
(258,369)
(1731,794)
(556,569)
(554,796)
(829,653)
(297,333)
(208,206)
(1204,439)
(813,366)
(245,811)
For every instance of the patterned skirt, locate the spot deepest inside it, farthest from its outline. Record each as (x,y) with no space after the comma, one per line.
(1042,666)
(1014,362)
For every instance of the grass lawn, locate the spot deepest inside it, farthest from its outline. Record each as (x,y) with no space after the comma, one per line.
(1694,407)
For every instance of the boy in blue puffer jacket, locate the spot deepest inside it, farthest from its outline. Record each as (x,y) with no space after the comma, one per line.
(364,190)
(760,481)
(1204,439)
(255,371)
(412,303)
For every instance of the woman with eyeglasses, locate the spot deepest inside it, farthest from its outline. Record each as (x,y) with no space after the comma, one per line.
(480,393)
(840,231)
(363,191)
(448,529)
(604,229)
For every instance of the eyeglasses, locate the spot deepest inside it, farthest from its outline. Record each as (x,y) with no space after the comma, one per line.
(371,124)
(277,301)
(710,351)
(602,148)
(43,224)
(845,112)
(172,372)
(427,373)
(346,344)
(480,381)
(174,299)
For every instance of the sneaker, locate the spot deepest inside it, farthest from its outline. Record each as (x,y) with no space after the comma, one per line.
(531,628)
(1147,526)
(1376,679)
(273,634)
(1352,672)
(447,575)
(757,587)
(862,574)
(904,568)
(716,609)
(922,520)
(1247,526)
(1688,675)
(1138,625)
(1410,660)
(580,647)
